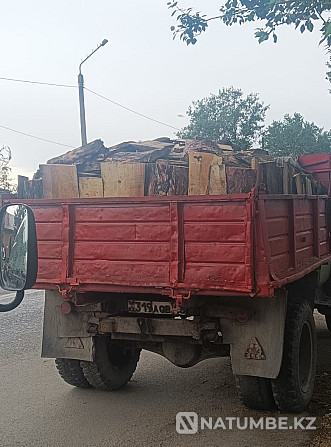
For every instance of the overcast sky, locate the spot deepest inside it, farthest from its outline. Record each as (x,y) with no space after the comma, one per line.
(142,68)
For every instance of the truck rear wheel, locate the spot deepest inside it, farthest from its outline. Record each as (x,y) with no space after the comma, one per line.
(71,372)
(114,364)
(255,392)
(293,387)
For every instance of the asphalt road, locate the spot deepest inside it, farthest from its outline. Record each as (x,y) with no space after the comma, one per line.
(38,409)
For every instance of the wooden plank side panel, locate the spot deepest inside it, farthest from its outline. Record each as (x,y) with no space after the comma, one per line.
(59,181)
(123,179)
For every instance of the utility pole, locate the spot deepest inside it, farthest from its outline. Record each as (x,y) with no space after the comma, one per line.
(81,95)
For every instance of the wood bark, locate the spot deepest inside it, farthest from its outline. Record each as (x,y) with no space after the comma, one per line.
(29,189)
(240,180)
(272,177)
(165,179)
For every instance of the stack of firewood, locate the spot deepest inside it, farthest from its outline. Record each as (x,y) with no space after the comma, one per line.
(165,167)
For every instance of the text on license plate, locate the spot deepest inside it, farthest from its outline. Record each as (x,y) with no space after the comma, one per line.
(151,307)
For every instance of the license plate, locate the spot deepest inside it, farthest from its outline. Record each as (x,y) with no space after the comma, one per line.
(152,307)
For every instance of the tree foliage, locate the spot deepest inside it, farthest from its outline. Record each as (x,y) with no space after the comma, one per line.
(5,170)
(295,136)
(303,14)
(229,115)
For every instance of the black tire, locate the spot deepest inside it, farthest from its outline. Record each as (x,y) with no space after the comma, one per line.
(328,322)
(71,372)
(293,388)
(115,362)
(255,392)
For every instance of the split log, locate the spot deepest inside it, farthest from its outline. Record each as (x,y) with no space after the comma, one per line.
(240,180)
(91,152)
(123,179)
(21,181)
(29,189)
(272,177)
(299,183)
(59,181)
(199,172)
(165,179)
(90,187)
(308,186)
(217,180)
(256,165)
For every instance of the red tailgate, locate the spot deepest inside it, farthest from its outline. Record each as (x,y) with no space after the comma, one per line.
(199,243)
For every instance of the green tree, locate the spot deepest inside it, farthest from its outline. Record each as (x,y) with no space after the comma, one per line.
(227,116)
(5,170)
(295,136)
(303,14)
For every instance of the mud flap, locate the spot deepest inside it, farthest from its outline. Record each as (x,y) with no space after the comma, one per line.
(65,336)
(257,346)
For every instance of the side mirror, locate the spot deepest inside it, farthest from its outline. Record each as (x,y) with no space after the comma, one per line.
(18,250)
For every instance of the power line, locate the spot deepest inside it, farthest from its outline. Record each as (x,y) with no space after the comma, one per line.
(37,138)
(130,110)
(94,93)
(37,82)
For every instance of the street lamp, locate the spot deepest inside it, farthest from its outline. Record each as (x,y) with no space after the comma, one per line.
(81,94)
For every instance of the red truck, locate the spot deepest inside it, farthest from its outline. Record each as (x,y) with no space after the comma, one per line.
(189,278)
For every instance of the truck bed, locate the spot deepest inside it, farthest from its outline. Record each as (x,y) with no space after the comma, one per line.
(207,245)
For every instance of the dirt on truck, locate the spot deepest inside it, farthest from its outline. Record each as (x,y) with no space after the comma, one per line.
(188,277)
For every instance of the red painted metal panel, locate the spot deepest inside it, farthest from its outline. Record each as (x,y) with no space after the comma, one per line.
(51,231)
(223,245)
(216,252)
(122,251)
(49,250)
(224,211)
(48,213)
(122,272)
(122,213)
(320,164)
(300,242)
(49,271)
(221,276)
(214,232)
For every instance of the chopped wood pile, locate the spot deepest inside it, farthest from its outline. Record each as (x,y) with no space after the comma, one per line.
(165,167)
